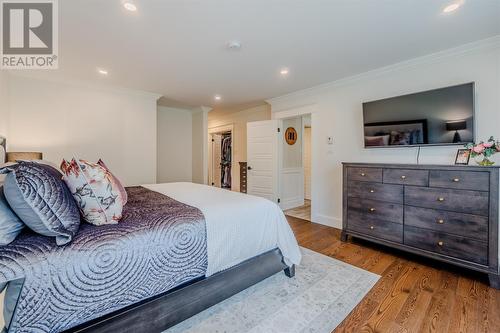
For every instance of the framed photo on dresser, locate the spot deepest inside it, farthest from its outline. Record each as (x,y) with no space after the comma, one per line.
(463,157)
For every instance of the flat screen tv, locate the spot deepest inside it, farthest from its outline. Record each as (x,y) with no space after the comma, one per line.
(442,116)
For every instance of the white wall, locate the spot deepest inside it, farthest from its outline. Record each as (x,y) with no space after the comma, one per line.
(4,102)
(239,121)
(64,120)
(200,146)
(337,112)
(175,144)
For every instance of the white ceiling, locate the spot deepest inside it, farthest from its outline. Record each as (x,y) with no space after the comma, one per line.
(177,47)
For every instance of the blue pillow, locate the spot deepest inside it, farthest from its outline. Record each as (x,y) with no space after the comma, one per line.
(37,194)
(10,301)
(10,224)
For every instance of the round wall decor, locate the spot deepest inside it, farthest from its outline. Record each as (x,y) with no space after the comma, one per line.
(291,136)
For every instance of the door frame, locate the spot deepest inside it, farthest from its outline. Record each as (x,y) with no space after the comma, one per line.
(302,111)
(217,130)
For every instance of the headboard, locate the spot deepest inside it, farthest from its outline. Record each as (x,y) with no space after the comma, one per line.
(399,126)
(3,149)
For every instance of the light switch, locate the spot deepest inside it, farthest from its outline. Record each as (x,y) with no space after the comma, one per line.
(330,140)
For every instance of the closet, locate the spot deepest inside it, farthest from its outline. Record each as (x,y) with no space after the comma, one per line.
(221,159)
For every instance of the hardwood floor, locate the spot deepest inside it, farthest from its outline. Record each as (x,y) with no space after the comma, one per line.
(414,294)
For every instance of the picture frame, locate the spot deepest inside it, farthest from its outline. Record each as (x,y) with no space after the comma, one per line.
(463,157)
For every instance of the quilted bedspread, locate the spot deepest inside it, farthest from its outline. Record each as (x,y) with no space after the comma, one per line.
(159,244)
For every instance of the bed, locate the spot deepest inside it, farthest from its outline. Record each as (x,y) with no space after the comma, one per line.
(180,248)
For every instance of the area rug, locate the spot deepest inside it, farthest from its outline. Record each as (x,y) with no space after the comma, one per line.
(320,296)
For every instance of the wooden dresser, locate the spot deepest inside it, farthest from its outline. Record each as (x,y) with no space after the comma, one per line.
(243,177)
(448,213)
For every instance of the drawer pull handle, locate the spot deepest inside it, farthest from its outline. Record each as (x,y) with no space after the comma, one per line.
(440,221)
(440,199)
(440,243)
(363,174)
(372,227)
(456,180)
(372,191)
(403,177)
(372,210)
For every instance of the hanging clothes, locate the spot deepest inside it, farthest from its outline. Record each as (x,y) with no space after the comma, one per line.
(226,161)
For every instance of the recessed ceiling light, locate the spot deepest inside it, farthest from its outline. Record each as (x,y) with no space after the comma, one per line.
(102,71)
(217,97)
(130,6)
(452,7)
(284,71)
(234,45)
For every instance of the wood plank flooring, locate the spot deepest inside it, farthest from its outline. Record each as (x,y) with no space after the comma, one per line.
(414,294)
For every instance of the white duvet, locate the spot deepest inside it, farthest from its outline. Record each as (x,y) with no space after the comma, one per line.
(239,226)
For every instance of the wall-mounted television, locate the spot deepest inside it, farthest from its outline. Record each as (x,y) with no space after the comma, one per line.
(443,116)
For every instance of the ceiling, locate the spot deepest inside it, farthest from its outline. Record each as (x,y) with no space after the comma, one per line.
(177,48)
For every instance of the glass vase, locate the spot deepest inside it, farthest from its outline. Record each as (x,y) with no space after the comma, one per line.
(485,162)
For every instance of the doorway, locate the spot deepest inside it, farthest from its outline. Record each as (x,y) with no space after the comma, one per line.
(221,157)
(300,158)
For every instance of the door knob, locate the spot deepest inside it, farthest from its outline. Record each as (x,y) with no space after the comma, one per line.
(249,168)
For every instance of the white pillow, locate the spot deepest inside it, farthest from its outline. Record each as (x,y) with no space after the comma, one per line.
(95,191)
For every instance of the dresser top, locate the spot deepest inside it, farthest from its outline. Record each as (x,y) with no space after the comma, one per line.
(424,166)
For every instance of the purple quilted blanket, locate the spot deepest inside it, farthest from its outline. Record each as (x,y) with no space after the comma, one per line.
(159,244)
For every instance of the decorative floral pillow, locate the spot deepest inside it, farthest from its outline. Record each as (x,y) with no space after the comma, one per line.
(95,191)
(116,181)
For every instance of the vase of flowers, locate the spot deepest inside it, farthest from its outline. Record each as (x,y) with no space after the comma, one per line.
(484,150)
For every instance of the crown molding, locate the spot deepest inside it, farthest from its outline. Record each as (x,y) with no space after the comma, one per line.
(86,84)
(309,95)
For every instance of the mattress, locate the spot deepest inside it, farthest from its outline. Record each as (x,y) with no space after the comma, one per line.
(159,244)
(239,226)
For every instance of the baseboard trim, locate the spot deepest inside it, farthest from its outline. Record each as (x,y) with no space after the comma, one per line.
(327,220)
(292,203)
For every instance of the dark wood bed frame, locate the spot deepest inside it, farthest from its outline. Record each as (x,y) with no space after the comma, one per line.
(166,310)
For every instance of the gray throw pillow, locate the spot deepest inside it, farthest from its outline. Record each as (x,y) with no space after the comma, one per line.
(39,197)
(10,224)
(11,297)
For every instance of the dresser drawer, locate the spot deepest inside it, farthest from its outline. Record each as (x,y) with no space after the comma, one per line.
(365,174)
(376,209)
(471,202)
(467,225)
(406,177)
(376,191)
(375,227)
(445,244)
(464,180)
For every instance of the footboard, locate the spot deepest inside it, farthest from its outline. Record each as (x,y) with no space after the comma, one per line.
(166,310)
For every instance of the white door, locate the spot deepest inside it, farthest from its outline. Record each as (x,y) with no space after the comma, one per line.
(216,159)
(262,159)
(291,172)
